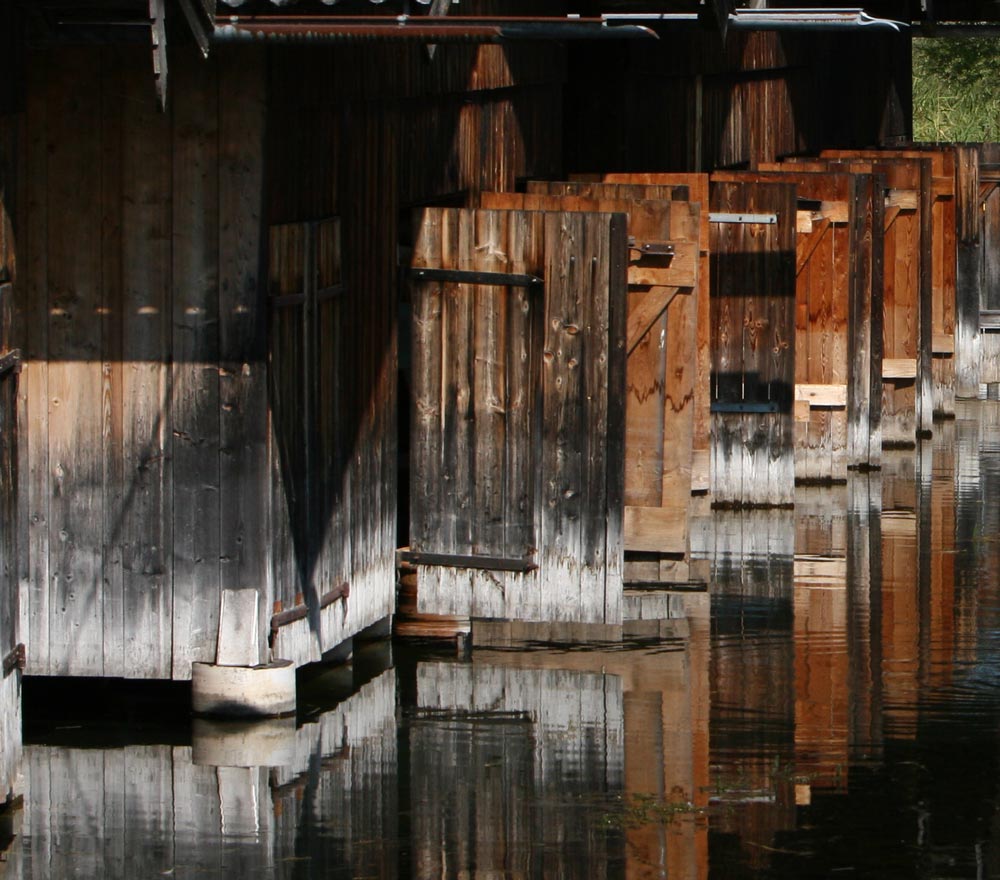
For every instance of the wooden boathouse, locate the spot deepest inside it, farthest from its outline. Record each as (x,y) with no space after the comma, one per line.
(301,293)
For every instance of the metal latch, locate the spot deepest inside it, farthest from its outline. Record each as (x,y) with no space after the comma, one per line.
(763,219)
(651,248)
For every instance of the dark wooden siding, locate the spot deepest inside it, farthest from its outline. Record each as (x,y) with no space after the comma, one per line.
(145,384)
(518,415)
(691,102)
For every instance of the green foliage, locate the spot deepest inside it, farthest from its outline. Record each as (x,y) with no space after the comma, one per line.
(956,89)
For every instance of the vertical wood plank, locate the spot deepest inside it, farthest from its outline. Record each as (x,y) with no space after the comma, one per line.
(113,328)
(969,221)
(562,464)
(925,304)
(328,380)
(194,371)
(75,381)
(427,408)
(243,382)
(146,503)
(34,378)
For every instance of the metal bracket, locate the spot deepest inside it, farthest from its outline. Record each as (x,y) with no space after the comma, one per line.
(16,659)
(765,406)
(651,248)
(486,279)
(456,560)
(763,219)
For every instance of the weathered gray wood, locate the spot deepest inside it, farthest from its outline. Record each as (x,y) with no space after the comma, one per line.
(969,220)
(194,372)
(34,307)
(753,278)
(462,447)
(144,527)
(331,564)
(112,329)
(242,383)
(75,381)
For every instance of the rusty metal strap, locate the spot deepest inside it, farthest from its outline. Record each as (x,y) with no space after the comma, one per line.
(457,560)
(301,612)
(487,279)
(764,406)
(10,361)
(16,659)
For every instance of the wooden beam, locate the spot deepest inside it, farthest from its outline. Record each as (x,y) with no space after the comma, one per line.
(678,270)
(943,343)
(899,368)
(642,317)
(807,244)
(459,560)
(158,35)
(905,199)
(656,529)
(834,396)
(891,213)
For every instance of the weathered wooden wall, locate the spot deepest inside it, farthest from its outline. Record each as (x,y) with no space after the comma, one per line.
(382,130)
(691,102)
(518,414)
(140,313)
(838,316)
(938,262)
(175,448)
(989,273)
(660,344)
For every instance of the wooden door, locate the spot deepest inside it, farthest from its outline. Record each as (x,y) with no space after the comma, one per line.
(661,348)
(753,343)
(517,421)
(938,257)
(838,324)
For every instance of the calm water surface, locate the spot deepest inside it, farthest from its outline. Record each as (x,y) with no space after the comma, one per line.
(828,707)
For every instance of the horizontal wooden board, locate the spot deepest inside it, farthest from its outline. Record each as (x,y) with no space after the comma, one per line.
(899,368)
(656,529)
(822,395)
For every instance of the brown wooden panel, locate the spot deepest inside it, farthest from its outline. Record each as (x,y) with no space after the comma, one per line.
(910,330)
(698,193)
(969,224)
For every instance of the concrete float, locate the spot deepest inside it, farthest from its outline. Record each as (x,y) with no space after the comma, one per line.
(238,685)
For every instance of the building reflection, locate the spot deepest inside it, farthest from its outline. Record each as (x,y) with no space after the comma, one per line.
(810,669)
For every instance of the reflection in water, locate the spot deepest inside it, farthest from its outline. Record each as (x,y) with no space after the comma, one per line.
(829,707)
